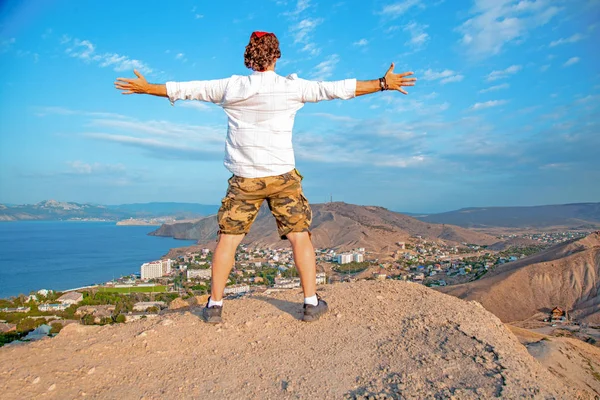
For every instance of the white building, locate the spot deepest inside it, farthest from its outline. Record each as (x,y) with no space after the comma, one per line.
(199,273)
(286,283)
(151,270)
(343,258)
(358,257)
(235,289)
(156,269)
(321,278)
(53,307)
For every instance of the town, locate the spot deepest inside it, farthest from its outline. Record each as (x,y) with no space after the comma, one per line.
(167,285)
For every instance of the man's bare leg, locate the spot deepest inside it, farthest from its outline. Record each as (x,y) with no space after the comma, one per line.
(222,262)
(304,258)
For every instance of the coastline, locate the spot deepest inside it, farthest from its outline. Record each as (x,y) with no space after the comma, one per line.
(66,256)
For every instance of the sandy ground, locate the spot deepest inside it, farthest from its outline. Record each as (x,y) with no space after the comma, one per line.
(382,340)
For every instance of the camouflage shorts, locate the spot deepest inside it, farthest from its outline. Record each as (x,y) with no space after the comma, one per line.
(284,196)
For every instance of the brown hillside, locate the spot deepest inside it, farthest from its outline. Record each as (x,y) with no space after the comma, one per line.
(565,275)
(383,339)
(336,225)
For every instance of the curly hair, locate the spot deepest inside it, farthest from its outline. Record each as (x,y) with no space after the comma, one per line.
(261,51)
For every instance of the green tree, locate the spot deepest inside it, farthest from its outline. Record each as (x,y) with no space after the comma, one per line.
(56,328)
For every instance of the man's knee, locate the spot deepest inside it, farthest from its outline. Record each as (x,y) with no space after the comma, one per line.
(230,240)
(298,237)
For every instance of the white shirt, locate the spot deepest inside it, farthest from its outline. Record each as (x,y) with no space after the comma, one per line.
(260,108)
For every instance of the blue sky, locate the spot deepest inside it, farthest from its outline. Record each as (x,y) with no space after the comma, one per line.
(505,111)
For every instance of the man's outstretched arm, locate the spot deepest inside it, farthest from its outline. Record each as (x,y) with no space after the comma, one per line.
(212,91)
(391,81)
(140,86)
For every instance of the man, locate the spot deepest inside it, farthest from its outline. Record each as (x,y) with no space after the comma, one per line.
(258,151)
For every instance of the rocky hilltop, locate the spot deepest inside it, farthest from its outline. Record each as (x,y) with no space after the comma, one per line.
(566,275)
(335,225)
(383,339)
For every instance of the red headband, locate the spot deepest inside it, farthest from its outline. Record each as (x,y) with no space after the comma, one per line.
(260,34)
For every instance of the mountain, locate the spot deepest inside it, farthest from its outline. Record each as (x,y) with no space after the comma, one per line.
(381,340)
(187,210)
(54,210)
(335,225)
(566,275)
(574,216)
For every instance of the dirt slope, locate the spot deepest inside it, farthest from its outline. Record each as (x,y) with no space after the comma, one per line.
(336,225)
(565,275)
(570,360)
(392,339)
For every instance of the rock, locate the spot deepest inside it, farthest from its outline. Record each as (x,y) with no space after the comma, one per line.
(178,303)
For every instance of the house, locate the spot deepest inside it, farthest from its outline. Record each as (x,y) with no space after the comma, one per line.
(558,315)
(31,297)
(71,298)
(53,307)
(17,309)
(98,311)
(45,292)
(236,289)
(144,305)
(321,278)
(6,327)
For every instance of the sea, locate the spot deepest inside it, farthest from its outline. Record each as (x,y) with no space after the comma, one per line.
(62,255)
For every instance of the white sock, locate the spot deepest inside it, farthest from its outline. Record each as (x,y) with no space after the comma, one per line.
(312,300)
(212,302)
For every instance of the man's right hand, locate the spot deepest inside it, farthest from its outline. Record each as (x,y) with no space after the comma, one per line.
(397,81)
(140,85)
(131,86)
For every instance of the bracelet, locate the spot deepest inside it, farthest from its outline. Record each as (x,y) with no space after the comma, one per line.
(382,84)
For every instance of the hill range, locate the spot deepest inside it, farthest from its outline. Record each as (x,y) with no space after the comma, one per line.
(566,275)
(336,225)
(584,216)
(52,210)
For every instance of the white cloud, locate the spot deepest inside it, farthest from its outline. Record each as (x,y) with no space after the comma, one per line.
(86,51)
(181,57)
(504,73)
(494,23)
(334,117)
(571,61)
(446,76)
(361,42)
(301,5)
(572,39)
(418,37)
(450,79)
(544,67)
(302,33)
(395,10)
(195,105)
(83,168)
(324,69)
(494,88)
(310,48)
(303,29)
(6,44)
(487,104)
